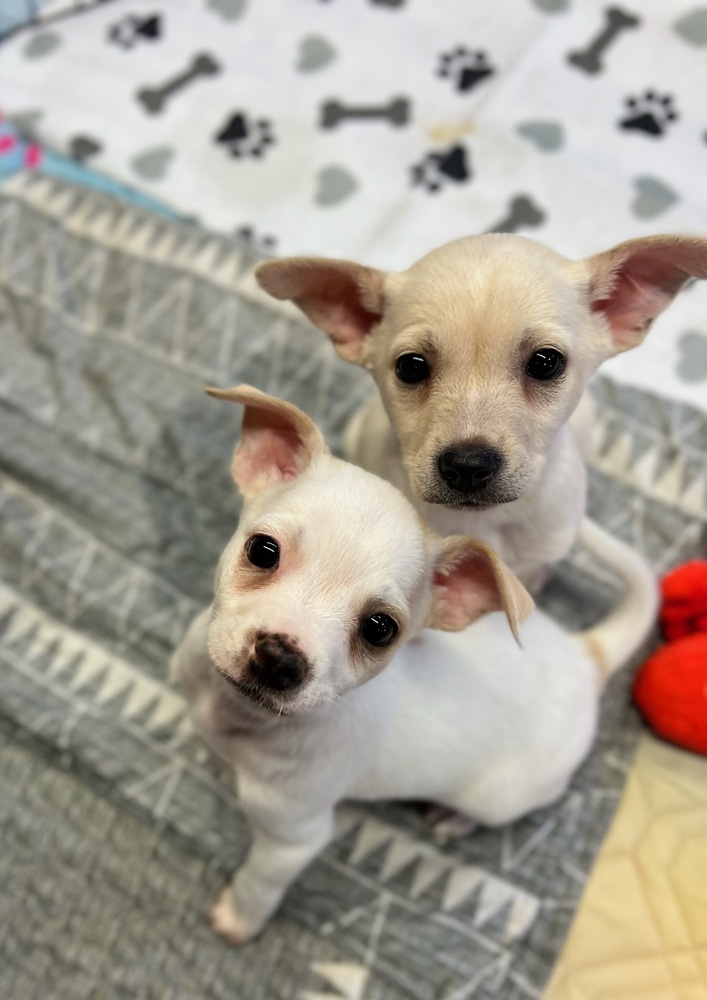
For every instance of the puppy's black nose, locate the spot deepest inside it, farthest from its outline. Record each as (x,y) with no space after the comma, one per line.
(469,469)
(277,664)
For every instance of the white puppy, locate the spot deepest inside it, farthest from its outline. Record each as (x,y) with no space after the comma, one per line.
(482,351)
(330,578)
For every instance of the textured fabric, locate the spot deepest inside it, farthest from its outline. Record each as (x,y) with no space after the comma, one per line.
(19,151)
(641,933)
(115,501)
(378,129)
(97,903)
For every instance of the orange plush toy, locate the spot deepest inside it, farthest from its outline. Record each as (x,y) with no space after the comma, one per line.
(671,687)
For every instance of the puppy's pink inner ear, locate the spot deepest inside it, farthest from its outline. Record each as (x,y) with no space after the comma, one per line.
(344,318)
(277,443)
(464,592)
(635,281)
(343,299)
(641,292)
(268,454)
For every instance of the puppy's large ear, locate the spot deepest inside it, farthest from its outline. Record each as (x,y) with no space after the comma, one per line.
(343,299)
(635,281)
(470,580)
(277,442)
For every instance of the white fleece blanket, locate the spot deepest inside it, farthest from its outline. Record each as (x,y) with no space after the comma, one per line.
(378,129)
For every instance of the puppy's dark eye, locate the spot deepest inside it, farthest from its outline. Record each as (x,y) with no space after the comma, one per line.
(545,364)
(378,630)
(263,551)
(412,368)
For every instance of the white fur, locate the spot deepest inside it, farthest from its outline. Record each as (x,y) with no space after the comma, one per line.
(468,719)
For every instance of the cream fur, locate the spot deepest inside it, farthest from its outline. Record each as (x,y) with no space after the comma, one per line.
(476,309)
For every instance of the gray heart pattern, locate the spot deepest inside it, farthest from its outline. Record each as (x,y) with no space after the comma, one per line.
(334,185)
(547,136)
(27,121)
(692,27)
(315,52)
(653,197)
(230,10)
(82,147)
(552,6)
(153,164)
(41,45)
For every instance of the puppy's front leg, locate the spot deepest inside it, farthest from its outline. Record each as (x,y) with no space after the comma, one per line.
(275,859)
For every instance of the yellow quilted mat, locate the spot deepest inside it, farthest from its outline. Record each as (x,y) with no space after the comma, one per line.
(641,931)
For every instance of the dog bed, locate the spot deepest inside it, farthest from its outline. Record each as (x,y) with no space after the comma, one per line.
(116,501)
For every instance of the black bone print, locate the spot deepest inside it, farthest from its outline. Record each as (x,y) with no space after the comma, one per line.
(522,213)
(616,22)
(154,99)
(396,111)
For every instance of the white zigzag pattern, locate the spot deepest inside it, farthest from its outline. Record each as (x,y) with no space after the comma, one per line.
(461,881)
(678,485)
(200,257)
(114,677)
(136,233)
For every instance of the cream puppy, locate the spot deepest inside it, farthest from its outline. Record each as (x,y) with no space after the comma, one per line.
(482,351)
(317,674)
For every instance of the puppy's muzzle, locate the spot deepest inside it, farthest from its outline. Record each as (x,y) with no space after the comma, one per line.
(276,663)
(469,469)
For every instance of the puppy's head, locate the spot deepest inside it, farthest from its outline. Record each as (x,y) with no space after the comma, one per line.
(482,349)
(331,569)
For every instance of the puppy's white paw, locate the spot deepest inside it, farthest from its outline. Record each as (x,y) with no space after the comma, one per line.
(448,825)
(228,924)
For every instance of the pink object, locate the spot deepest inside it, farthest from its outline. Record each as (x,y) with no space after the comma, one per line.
(33,155)
(7,142)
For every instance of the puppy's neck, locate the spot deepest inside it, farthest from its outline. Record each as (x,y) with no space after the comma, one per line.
(252,720)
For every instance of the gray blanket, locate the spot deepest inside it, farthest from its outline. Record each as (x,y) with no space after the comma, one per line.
(116,501)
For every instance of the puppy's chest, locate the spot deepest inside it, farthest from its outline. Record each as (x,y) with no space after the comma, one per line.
(217,711)
(496,526)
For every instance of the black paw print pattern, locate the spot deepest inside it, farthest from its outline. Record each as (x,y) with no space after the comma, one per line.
(437,169)
(650,113)
(132,29)
(465,68)
(245,137)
